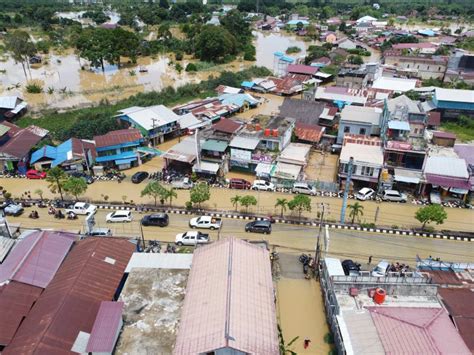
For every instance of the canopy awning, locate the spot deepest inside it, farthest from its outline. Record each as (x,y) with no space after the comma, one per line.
(125,161)
(446,181)
(264,169)
(456,190)
(206,167)
(408,176)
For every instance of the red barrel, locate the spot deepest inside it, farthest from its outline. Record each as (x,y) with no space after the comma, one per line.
(379,296)
(267,132)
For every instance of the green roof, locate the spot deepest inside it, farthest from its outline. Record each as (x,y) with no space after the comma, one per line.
(215,145)
(3,129)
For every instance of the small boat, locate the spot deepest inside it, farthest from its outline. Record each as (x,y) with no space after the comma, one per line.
(143,69)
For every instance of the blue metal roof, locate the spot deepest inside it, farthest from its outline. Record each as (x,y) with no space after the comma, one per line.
(399,125)
(124,161)
(121,156)
(58,155)
(247,84)
(295,22)
(428,33)
(237,99)
(279,54)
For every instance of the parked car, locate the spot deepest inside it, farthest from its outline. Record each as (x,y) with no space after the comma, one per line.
(139,177)
(381,269)
(206,222)
(184,184)
(365,193)
(394,196)
(81,208)
(87,178)
(12,209)
(119,216)
(99,232)
(350,268)
(192,238)
(303,188)
(263,185)
(240,184)
(35,174)
(264,226)
(157,219)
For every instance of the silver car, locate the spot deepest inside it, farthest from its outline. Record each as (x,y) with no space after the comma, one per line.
(394,196)
(303,188)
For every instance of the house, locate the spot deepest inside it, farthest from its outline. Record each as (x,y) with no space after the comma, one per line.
(210,109)
(213,153)
(226,128)
(276,133)
(321,62)
(444,139)
(340,96)
(242,149)
(90,274)
(188,123)
(466,152)
(242,101)
(302,111)
(358,120)
(291,162)
(402,108)
(184,154)
(427,33)
(224,276)
(352,78)
(119,149)
(434,120)
(328,37)
(154,122)
(12,107)
(309,133)
(397,85)
(302,69)
(73,154)
(453,102)
(419,47)
(346,43)
(366,19)
(293,24)
(418,67)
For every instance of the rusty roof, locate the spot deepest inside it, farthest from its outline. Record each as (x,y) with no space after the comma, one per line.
(20,143)
(106,326)
(90,274)
(309,132)
(227,126)
(118,137)
(16,300)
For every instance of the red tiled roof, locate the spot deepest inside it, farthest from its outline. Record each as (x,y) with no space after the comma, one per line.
(410,330)
(444,135)
(434,118)
(309,132)
(16,300)
(227,126)
(104,331)
(118,137)
(302,69)
(90,274)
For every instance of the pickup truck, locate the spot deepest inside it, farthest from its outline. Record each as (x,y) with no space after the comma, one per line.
(81,208)
(13,209)
(206,222)
(184,184)
(192,238)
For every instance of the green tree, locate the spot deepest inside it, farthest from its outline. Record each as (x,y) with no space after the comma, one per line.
(355,59)
(300,203)
(164,31)
(431,213)
(282,203)
(200,193)
(357,210)
(21,47)
(170,194)
(164,4)
(312,32)
(56,178)
(236,25)
(155,190)
(214,43)
(248,201)
(39,192)
(235,201)
(75,186)
(299,26)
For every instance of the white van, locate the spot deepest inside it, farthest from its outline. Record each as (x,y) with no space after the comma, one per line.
(381,269)
(303,188)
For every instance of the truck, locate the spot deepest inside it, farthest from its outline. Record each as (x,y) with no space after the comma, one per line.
(192,238)
(206,222)
(183,184)
(81,208)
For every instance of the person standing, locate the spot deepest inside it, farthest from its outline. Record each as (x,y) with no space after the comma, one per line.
(370,260)
(306,343)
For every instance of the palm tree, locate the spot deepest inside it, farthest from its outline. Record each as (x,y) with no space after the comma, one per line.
(235,201)
(170,194)
(56,178)
(357,210)
(282,203)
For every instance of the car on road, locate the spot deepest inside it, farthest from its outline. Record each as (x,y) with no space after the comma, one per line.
(350,268)
(139,177)
(12,209)
(303,188)
(35,174)
(182,184)
(240,184)
(263,185)
(206,222)
(81,208)
(394,196)
(99,232)
(381,269)
(156,219)
(87,178)
(119,217)
(263,226)
(192,238)
(365,193)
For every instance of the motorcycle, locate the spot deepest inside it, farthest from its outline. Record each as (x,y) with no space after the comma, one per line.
(59,215)
(33,215)
(308,264)
(71,216)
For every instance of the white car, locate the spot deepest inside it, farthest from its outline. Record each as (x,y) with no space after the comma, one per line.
(263,185)
(81,208)
(381,269)
(192,238)
(119,216)
(394,196)
(365,194)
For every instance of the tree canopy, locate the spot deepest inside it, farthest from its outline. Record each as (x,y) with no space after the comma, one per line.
(56,178)
(200,193)
(75,186)
(300,203)
(215,43)
(431,213)
(21,47)
(156,190)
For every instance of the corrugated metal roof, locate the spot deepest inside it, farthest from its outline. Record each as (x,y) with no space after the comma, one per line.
(16,300)
(227,126)
(71,301)
(454,95)
(444,135)
(159,261)
(410,330)
(20,143)
(359,332)
(399,125)
(106,327)
(362,154)
(309,132)
(36,258)
(394,84)
(229,301)
(150,117)
(215,145)
(249,143)
(302,69)
(118,137)
(8,102)
(446,166)
(3,129)
(5,246)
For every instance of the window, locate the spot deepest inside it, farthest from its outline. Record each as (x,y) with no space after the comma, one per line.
(428,67)
(362,131)
(367,171)
(347,129)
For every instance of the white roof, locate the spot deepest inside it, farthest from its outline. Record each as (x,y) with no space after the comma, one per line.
(446,166)
(159,261)
(394,84)
(231,90)
(369,155)
(454,95)
(334,267)
(403,100)
(295,153)
(206,166)
(366,19)
(361,114)
(19,107)
(190,121)
(8,102)
(5,245)
(322,94)
(323,75)
(249,143)
(406,175)
(144,116)
(287,171)
(263,168)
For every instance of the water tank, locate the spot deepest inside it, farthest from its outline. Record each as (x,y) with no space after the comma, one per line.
(275,133)
(258,127)
(267,132)
(379,296)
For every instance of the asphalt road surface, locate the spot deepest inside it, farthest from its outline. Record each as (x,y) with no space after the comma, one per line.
(287,238)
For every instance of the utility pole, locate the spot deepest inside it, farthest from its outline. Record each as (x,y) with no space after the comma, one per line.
(346,190)
(153,120)
(143,238)
(317,255)
(376,214)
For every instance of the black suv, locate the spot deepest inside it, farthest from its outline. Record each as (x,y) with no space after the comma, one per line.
(159,219)
(263,226)
(139,177)
(350,268)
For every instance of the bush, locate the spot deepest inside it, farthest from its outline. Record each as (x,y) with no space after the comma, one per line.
(368,225)
(179,55)
(328,338)
(191,67)
(293,49)
(34,88)
(188,205)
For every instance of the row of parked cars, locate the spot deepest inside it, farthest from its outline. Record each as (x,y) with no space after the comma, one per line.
(367,193)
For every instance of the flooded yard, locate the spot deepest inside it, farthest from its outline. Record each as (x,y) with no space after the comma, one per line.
(321,166)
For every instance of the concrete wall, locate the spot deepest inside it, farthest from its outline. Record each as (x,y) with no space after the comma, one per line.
(354,128)
(425,70)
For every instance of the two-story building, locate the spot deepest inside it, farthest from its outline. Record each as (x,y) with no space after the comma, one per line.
(119,149)
(359,120)
(418,67)
(352,78)
(453,102)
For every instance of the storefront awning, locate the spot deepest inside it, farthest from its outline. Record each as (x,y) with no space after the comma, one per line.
(264,169)
(124,161)
(408,176)
(458,191)
(206,167)
(446,181)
